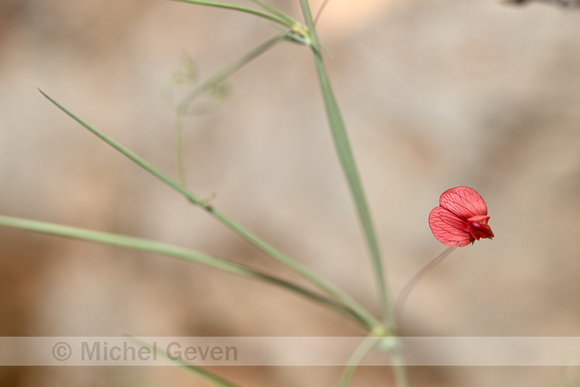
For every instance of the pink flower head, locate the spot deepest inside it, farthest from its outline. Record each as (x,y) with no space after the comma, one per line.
(461,217)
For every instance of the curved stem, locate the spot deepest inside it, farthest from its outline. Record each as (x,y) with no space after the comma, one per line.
(387,343)
(356,358)
(400,304)
(319,13)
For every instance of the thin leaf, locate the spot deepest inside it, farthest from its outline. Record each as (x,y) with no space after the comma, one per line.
(241,8)
(276,12)
(170,251)
(329,288)
(342,145)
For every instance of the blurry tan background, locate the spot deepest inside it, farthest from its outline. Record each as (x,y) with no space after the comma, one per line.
(435,94)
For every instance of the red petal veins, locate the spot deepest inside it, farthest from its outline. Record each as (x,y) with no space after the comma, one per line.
(449,228)
(464,202)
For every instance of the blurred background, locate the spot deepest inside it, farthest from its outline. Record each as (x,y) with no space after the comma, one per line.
(435,94)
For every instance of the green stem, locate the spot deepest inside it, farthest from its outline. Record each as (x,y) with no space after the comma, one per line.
(406,291)
(369,320)
(356,358)
(348,164)
(386,343)
(179,151)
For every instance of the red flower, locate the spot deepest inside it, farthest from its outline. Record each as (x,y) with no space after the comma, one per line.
(461,217)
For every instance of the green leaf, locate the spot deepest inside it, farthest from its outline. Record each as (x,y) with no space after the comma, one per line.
(170,251)
(291,22)
(345,155)
(287,21)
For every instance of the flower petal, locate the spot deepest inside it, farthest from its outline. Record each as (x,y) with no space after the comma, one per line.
(464,202)
(449,228)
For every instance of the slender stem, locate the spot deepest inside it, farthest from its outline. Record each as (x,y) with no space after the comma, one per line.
(369,320)
(392,344)
(400,304)
(179,151)
(347,161)
(319,13)
(356,358)
(400,367)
